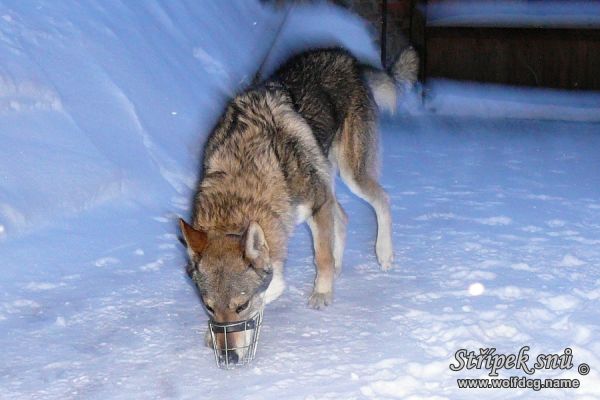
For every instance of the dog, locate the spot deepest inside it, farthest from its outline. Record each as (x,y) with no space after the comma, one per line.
(270,164)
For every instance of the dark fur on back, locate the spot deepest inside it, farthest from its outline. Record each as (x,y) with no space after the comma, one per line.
(327,90)
(323,84)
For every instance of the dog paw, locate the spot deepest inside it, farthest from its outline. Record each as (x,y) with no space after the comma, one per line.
(320,300)
(386,265)
(385,260)
(385,254)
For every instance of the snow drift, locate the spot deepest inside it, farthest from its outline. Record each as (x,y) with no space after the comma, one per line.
(104,107)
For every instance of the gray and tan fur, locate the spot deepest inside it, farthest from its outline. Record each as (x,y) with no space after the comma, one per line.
(270,164)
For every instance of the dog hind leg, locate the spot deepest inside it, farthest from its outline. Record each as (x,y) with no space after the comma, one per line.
(357,162)
(369,189)
(322,227)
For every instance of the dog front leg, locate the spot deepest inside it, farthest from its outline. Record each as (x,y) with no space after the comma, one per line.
(322,227)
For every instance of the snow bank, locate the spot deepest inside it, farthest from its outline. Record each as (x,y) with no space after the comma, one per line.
(109,100)
(472,99)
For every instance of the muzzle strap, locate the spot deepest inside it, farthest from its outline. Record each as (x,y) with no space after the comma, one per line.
(231,327)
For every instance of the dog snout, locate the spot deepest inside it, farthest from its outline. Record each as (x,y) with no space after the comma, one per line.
(229,356)
(232,357)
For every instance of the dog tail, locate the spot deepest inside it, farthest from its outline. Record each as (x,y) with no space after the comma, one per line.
(383,84)
(406,67)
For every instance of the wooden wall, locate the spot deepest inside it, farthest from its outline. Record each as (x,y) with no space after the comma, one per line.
(555,58)
(542,57)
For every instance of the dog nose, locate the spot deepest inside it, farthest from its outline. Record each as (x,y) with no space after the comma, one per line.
(230,356)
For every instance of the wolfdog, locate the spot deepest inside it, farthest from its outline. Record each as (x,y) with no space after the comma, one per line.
(270,164)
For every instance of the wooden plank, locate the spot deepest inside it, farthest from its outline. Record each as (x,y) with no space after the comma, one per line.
(557,58)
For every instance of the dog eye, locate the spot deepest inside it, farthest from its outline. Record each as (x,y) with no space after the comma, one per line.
(209,308)
(242,307)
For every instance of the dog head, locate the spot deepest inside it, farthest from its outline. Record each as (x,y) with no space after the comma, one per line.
(232,272)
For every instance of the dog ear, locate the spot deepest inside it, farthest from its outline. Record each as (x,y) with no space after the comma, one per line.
(195,239)
(255,245)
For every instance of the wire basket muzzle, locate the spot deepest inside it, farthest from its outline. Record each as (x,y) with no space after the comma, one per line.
(238,339)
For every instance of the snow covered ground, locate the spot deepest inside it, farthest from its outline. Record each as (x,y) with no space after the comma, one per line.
(103,110)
